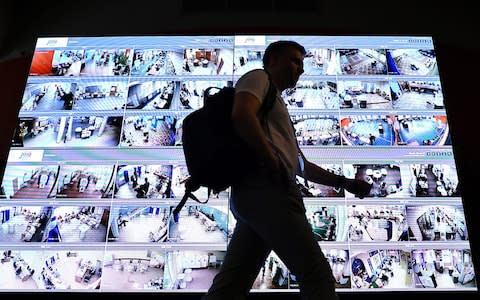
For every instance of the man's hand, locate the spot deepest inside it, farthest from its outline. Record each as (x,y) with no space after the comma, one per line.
(357,187)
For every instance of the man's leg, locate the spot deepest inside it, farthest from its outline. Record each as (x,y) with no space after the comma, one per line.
(245,256)
(302,255)
(277,215)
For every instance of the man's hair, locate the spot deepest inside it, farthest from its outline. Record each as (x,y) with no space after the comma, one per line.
(279,47)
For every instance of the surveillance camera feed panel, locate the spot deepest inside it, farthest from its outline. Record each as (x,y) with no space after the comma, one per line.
(96,166)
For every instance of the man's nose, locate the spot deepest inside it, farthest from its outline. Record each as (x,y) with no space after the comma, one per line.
(301,70)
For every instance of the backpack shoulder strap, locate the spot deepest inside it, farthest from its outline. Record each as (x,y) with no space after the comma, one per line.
(190,187)
(270,97)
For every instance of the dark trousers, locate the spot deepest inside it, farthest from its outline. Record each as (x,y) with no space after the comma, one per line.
(271,216)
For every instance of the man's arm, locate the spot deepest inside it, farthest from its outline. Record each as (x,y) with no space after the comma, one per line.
(245,120)
(319,175)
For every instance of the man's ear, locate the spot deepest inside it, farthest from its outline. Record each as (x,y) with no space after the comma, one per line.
(273,59)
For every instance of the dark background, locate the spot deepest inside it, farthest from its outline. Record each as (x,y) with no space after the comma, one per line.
(452,24)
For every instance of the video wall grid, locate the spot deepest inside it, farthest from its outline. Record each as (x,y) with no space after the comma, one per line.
(96,166)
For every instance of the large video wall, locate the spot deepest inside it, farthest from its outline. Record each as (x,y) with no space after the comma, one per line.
(96,166)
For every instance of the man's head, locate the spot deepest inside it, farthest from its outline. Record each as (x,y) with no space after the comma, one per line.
(280,47)
(284,62)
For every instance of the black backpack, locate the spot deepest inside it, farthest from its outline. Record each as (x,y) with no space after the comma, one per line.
(215,155)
